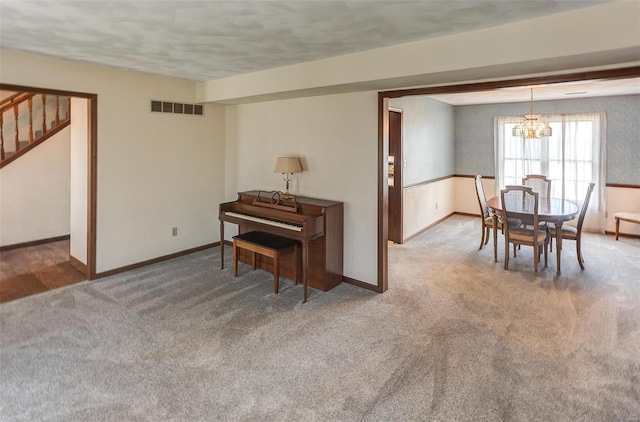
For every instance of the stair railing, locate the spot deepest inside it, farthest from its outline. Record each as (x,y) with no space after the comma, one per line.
(34,138)
(1,138)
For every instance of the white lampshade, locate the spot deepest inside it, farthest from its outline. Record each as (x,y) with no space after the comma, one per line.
(288,165)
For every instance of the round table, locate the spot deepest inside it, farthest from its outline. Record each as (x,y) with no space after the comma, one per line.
(551,210)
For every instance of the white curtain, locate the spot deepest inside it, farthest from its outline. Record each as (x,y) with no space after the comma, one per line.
(572,157)
(516,157)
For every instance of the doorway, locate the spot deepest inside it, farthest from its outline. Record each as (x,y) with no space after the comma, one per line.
(88,240)
(384,134)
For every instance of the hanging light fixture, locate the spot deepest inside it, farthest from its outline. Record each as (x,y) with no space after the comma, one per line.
(531,128)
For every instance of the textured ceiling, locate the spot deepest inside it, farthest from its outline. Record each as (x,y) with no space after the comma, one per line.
(205,40)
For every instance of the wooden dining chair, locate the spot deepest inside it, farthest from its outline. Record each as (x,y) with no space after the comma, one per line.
(574,233)
(516,201)
(539,183)
(487,218)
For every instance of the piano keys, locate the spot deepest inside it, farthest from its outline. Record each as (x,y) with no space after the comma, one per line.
(318,224)
(270,222)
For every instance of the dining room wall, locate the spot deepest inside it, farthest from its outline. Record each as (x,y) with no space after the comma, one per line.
(470,151)
(474,149)
(427,157)
(427,138)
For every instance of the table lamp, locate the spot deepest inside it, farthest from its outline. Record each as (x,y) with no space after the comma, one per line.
(287,166)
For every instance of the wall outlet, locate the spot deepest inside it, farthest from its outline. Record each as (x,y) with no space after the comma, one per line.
(174,231)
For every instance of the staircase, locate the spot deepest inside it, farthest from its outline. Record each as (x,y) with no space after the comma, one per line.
(28,119)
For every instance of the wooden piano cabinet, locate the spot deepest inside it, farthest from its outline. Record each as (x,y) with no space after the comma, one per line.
(325,259)
(326,253)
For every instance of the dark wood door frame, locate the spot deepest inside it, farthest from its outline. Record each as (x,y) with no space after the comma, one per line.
(92,165)
(383,136)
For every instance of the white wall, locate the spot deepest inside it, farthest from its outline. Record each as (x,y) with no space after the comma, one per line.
(155,171)
(34,193)
(426,204)
(466,200)
(622,200)
(336,137)
(79,178)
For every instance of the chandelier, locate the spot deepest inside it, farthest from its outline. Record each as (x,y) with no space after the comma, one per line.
(531,128)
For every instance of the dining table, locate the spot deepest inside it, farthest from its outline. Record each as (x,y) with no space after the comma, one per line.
(550,210)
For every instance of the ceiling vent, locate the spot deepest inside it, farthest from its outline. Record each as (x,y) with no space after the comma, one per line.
(176,108)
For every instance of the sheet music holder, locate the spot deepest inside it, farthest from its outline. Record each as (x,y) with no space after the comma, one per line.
(274,199)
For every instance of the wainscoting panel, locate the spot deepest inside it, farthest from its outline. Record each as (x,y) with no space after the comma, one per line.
(427,203)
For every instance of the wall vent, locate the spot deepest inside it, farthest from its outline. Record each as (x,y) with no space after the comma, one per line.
(158,106)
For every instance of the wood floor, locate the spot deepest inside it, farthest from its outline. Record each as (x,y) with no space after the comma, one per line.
(35,269)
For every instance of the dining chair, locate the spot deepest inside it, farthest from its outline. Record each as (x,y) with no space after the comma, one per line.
(574,233)
(540,183)
(487,218)
(516,202)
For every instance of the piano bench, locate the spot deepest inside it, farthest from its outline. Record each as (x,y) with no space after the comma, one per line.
(269,245)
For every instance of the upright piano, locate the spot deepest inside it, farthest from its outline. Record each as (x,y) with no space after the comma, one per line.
(318,224)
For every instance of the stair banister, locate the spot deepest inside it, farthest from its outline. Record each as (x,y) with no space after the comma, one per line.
(1,137)
(15,127)
(15,102)
(57,110)
(30,105)
(15,98)
(44,114)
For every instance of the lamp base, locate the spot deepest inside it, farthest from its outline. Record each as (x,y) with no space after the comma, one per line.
(287,195)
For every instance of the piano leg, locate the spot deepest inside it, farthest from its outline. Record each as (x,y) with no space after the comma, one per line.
(305,262)
(222,245)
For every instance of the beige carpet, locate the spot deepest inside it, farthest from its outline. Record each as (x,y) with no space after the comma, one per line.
(456,338)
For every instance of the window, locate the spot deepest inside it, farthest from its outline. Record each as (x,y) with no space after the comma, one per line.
(572,157)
